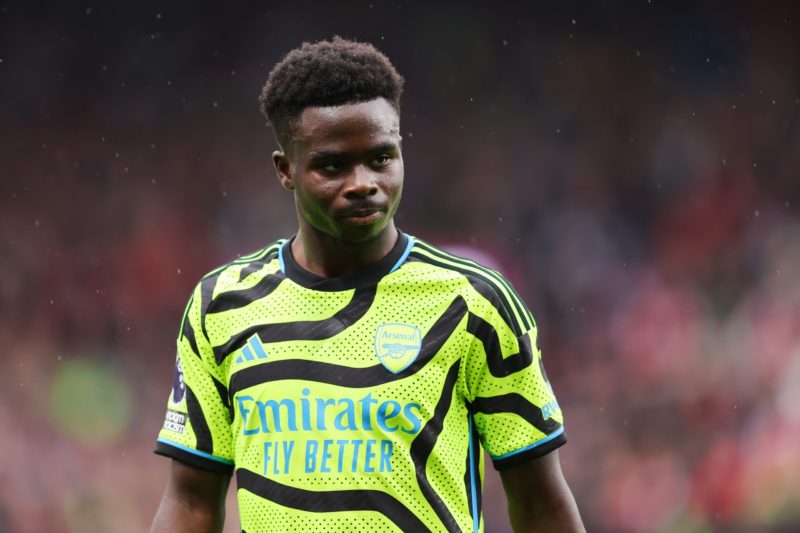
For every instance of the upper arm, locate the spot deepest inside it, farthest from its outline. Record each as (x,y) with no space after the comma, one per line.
(508,394)
(539,498)
(196,432)
(196,428)
(516,413)
(194,501)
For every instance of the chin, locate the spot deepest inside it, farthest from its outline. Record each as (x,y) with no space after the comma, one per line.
(349,238)
(359,235)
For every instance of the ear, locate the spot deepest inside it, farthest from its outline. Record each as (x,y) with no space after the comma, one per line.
(284,169)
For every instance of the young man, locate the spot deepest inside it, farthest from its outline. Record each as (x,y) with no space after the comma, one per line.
(349,375)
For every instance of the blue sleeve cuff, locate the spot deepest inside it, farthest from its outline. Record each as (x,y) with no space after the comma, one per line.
(192,457)
(532,451)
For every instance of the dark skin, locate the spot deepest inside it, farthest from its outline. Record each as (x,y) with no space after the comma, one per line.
(345,168)
(539,498)
(194,501)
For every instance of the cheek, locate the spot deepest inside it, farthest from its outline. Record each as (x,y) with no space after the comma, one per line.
(316,197)
(397,189)
(326,192)
(395,184)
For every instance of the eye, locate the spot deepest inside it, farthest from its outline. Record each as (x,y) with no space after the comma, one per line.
(330,167)
(382,160)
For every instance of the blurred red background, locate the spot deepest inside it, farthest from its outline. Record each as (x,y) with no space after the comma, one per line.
(633,168)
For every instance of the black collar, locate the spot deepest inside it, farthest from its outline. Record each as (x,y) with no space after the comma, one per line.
(368,275)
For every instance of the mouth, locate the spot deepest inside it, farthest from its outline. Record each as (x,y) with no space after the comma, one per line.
(361,217)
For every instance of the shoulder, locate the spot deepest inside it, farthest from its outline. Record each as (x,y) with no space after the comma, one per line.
(237,273)
(488,283)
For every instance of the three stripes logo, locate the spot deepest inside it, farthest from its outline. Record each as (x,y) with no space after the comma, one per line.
(252,350)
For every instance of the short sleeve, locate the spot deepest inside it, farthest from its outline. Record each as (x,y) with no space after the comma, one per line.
(509,396)
(196,428)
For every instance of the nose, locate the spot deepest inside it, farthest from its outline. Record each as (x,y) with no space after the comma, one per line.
(360,183)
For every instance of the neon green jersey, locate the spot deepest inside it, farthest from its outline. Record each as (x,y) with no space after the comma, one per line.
(358,403)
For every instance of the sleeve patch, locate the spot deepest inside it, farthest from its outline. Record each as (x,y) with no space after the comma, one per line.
(175,421)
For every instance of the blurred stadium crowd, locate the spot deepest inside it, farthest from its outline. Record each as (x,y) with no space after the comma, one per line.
(636,174)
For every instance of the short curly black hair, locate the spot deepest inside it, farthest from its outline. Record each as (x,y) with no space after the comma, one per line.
(327,73)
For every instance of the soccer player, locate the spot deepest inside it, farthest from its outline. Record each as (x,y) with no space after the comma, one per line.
(351,375)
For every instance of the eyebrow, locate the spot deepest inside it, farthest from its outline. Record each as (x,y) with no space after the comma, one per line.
(329,154)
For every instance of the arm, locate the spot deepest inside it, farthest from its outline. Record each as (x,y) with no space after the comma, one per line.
(539,498)
(194,501)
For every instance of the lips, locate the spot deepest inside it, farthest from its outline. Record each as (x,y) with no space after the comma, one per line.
(361,216)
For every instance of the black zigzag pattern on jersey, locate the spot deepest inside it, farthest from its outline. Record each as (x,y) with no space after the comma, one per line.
(204,441)
(482,288)
(235,299)
(188,333)
(269,254)
(334,374)
(209,282)
(541,363)
(306,330)
(249,269)
(423,444)
(495,282)
(222,390)
(207,285)
(499,366)
(517,404)
(330,501)
(473,468)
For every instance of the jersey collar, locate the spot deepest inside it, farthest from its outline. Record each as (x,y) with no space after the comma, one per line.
(369,275)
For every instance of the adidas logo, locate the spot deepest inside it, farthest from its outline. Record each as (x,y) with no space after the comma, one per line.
(252,350)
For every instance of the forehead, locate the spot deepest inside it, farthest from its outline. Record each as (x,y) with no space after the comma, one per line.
(374,121)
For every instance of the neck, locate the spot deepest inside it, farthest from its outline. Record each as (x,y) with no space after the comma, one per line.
(329,257)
